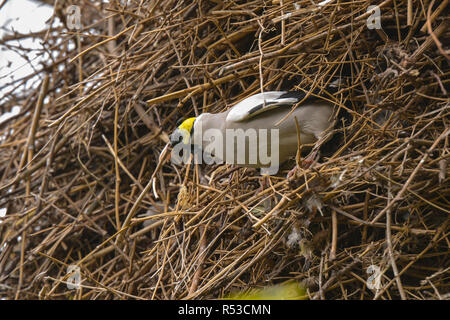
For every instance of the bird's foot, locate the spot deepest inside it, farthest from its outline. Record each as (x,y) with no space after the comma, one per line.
(264,183)
(292,174)
(304,164)
(310,160)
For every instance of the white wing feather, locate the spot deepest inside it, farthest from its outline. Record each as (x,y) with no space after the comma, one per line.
(258,103)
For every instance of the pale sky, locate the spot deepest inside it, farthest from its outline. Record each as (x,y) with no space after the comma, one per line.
(23,16)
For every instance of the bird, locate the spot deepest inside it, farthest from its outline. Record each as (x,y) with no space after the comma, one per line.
(263,121)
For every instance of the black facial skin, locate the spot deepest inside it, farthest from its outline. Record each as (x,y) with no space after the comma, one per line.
(174,140)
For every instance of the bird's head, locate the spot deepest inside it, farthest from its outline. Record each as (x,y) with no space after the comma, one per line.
(183,132)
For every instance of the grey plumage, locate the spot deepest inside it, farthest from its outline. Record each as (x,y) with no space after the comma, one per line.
(255,113)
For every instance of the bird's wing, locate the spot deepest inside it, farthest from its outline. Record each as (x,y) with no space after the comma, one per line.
(263,102)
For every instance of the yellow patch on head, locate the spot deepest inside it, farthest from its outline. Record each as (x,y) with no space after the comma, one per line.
(186,126)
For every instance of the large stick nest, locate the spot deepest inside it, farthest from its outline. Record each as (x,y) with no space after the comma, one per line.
(84,183)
